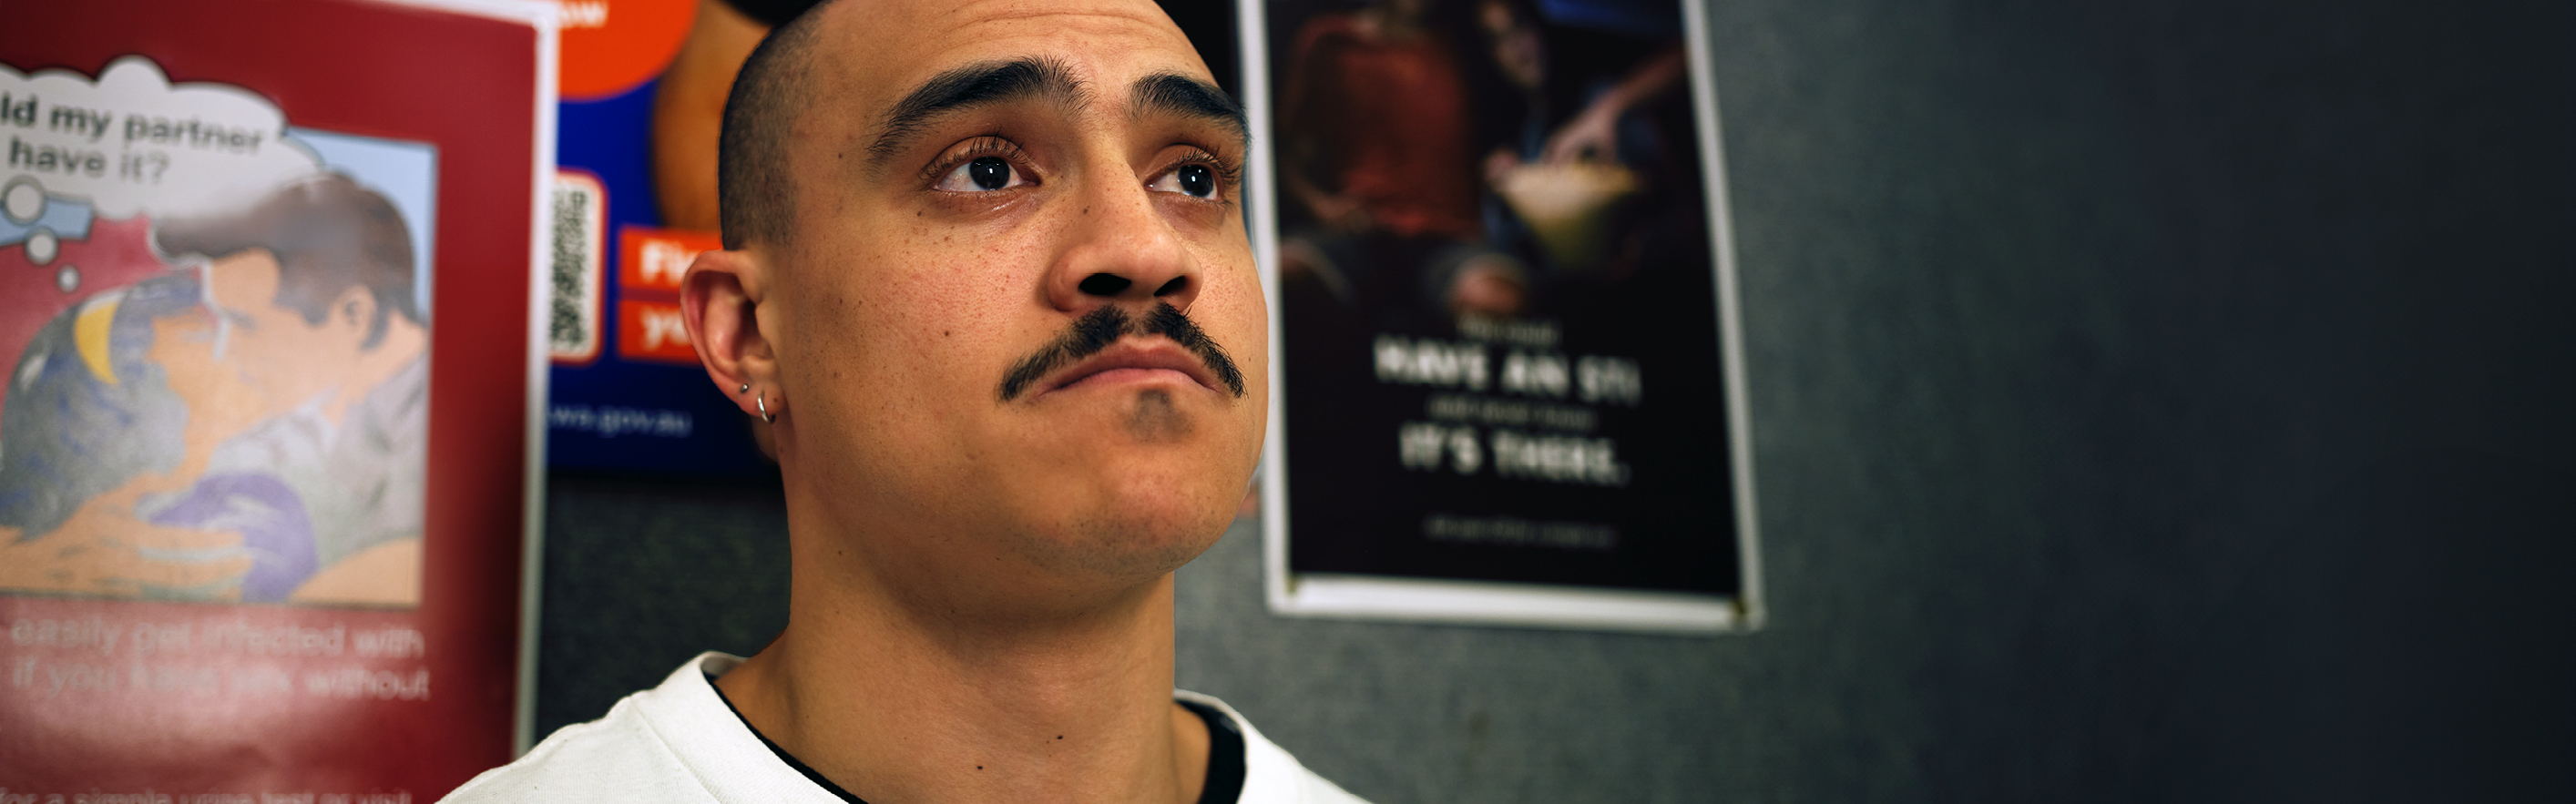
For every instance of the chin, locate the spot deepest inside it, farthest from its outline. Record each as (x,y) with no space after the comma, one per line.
(1126,487)
(1135,526)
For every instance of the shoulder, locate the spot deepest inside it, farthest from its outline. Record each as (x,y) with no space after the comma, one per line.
(675,742)
(1270,774)
(613,758)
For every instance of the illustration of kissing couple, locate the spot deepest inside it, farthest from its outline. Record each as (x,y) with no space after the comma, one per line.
(248,424)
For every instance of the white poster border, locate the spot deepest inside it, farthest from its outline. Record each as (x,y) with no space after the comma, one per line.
(1373,597)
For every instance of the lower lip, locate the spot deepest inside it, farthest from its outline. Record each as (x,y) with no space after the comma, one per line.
(1129,376)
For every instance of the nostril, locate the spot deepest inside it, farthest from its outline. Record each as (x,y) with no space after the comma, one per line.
(1175,286)
(1104,284)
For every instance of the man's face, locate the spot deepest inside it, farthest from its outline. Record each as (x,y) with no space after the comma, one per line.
(1516,47)
(285,359)
(220,399)
(1051,176)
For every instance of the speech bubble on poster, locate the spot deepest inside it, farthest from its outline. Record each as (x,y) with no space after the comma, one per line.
(130,143)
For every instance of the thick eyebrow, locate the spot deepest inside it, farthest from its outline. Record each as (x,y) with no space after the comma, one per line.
(967,87)
(1181,95)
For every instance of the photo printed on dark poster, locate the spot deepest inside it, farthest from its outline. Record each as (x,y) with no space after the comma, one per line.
(1503,343)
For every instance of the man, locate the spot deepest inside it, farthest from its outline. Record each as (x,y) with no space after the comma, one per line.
(316,296)
(253,428)
(987,280)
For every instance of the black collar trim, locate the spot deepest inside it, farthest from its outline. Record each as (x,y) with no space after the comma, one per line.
(1224,784)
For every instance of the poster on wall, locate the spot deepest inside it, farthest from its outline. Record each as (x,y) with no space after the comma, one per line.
(267,305)
(1507,374)
(642,95)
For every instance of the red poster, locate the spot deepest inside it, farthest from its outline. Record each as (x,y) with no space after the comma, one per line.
(265,473)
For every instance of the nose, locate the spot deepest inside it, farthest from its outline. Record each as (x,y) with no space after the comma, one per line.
(1121,250)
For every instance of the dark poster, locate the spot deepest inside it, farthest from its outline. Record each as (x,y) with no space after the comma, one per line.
(1505,342)
(265,454)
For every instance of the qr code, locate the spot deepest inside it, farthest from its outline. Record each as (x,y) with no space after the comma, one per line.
(572,320)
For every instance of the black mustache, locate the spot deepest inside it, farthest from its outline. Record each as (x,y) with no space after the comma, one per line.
(1103,326)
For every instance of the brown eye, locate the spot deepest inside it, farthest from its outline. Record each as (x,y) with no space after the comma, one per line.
(1193,180)
(982,174)
(1197,180)
(989,173)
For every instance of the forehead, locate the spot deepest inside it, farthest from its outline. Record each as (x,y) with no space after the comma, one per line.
(242,277)
(872,52)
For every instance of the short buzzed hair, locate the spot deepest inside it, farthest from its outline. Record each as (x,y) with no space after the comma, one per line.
(753,192)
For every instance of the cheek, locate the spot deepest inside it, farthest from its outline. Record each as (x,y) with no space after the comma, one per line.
(285,330)
(903,358)
(1234,312)
(187,365)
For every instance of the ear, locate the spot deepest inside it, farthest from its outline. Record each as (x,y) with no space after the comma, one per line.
(355,311)
(720,303)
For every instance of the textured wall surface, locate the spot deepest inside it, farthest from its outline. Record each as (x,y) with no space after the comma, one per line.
(2156,403)
(640,575)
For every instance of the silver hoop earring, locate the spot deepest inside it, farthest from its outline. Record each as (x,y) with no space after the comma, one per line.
(765,416)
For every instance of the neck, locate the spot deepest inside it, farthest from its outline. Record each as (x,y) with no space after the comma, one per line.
(900,696)
(403,342)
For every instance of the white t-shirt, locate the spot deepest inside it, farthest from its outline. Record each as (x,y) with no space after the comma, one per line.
(679,742)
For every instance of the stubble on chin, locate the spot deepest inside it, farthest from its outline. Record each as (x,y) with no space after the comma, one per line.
(1148,524)
(1136,532)
(1153,418)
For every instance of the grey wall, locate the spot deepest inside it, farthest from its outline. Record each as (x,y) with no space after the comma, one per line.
(2156,403)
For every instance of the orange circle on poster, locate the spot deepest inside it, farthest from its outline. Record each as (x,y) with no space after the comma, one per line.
(609,46)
